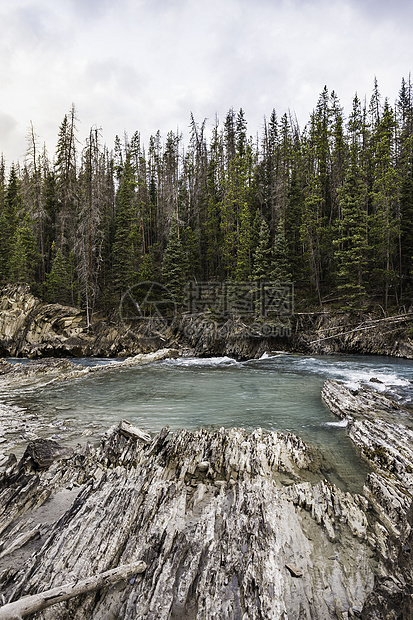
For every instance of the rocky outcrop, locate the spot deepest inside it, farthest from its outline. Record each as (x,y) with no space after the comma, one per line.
(384,433)
(229,524)
(31,328)
(341,332)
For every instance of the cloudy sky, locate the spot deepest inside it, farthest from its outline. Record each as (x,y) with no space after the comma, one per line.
(144,65)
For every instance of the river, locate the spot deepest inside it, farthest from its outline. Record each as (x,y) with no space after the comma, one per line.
(279,392)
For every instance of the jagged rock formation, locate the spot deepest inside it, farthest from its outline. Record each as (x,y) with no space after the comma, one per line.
(31,328)
(342,332)
(230,524)
(384,433)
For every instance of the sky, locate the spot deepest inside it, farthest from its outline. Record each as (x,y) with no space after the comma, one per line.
(146,65)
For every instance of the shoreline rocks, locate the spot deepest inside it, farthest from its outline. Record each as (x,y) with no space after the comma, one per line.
(31,328)
(210,515)
(383,431)
(218,517)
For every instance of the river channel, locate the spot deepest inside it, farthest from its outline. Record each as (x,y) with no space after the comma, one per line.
(279,392)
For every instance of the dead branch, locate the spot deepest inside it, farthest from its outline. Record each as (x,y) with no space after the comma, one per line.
(37,602)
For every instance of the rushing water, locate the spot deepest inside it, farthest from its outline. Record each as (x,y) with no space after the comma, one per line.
(277,392)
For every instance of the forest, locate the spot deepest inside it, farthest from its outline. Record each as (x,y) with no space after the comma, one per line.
(328,207)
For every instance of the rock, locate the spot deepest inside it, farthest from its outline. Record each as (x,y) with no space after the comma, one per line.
(127,429)
(42,452)
(375,424)
(203,466)
(214,546)
(32,328)
(295,572)
(382,430)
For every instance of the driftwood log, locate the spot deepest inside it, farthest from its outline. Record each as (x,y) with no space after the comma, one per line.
(220,518)
(37,602)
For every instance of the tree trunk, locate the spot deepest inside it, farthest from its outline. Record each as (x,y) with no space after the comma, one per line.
(31,604)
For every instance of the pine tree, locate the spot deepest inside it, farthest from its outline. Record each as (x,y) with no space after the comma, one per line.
(263,254)
(351,242)
(66,178)
(174,264)
(211,230)
(385,203)
(23,254)
(405,167)
(244,253)
(351,252)
(9,221)
(235,198)
(293,219)
(281,271)
(127,247)
(2,182)
(51,207)
(60,280)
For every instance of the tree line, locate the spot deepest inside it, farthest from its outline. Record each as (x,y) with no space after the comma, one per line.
(328,207)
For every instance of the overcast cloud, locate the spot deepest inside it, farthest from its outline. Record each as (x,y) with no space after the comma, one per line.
(144,65)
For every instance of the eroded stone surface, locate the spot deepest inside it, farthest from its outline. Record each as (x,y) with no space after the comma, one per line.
(209,515)
(383,432)
(31,328)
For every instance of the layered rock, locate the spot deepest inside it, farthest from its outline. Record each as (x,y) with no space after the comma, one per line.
(31,328)
(230,524)
(384,433)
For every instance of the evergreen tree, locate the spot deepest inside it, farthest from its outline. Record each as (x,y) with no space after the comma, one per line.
(23,254)
(211,228)
(190,246)
(281,271)
(405,167)
(9,221)
(243,267)
(174,264)
(385,203)
(352,229)
(60,280)
(66,178)
(127,246)
(51,206)
(351,252)
(293,219)
(2,182)
(147,271)
(263,254)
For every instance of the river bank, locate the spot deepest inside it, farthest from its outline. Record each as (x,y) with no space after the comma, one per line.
(228,523)
(31,328)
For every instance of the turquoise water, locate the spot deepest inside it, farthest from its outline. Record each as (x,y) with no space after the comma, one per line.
(278,392)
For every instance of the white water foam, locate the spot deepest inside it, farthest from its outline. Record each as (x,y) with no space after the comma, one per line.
(339,424)
(201,361)
(379,381)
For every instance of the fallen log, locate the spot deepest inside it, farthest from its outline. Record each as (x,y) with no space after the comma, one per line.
(37,602)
